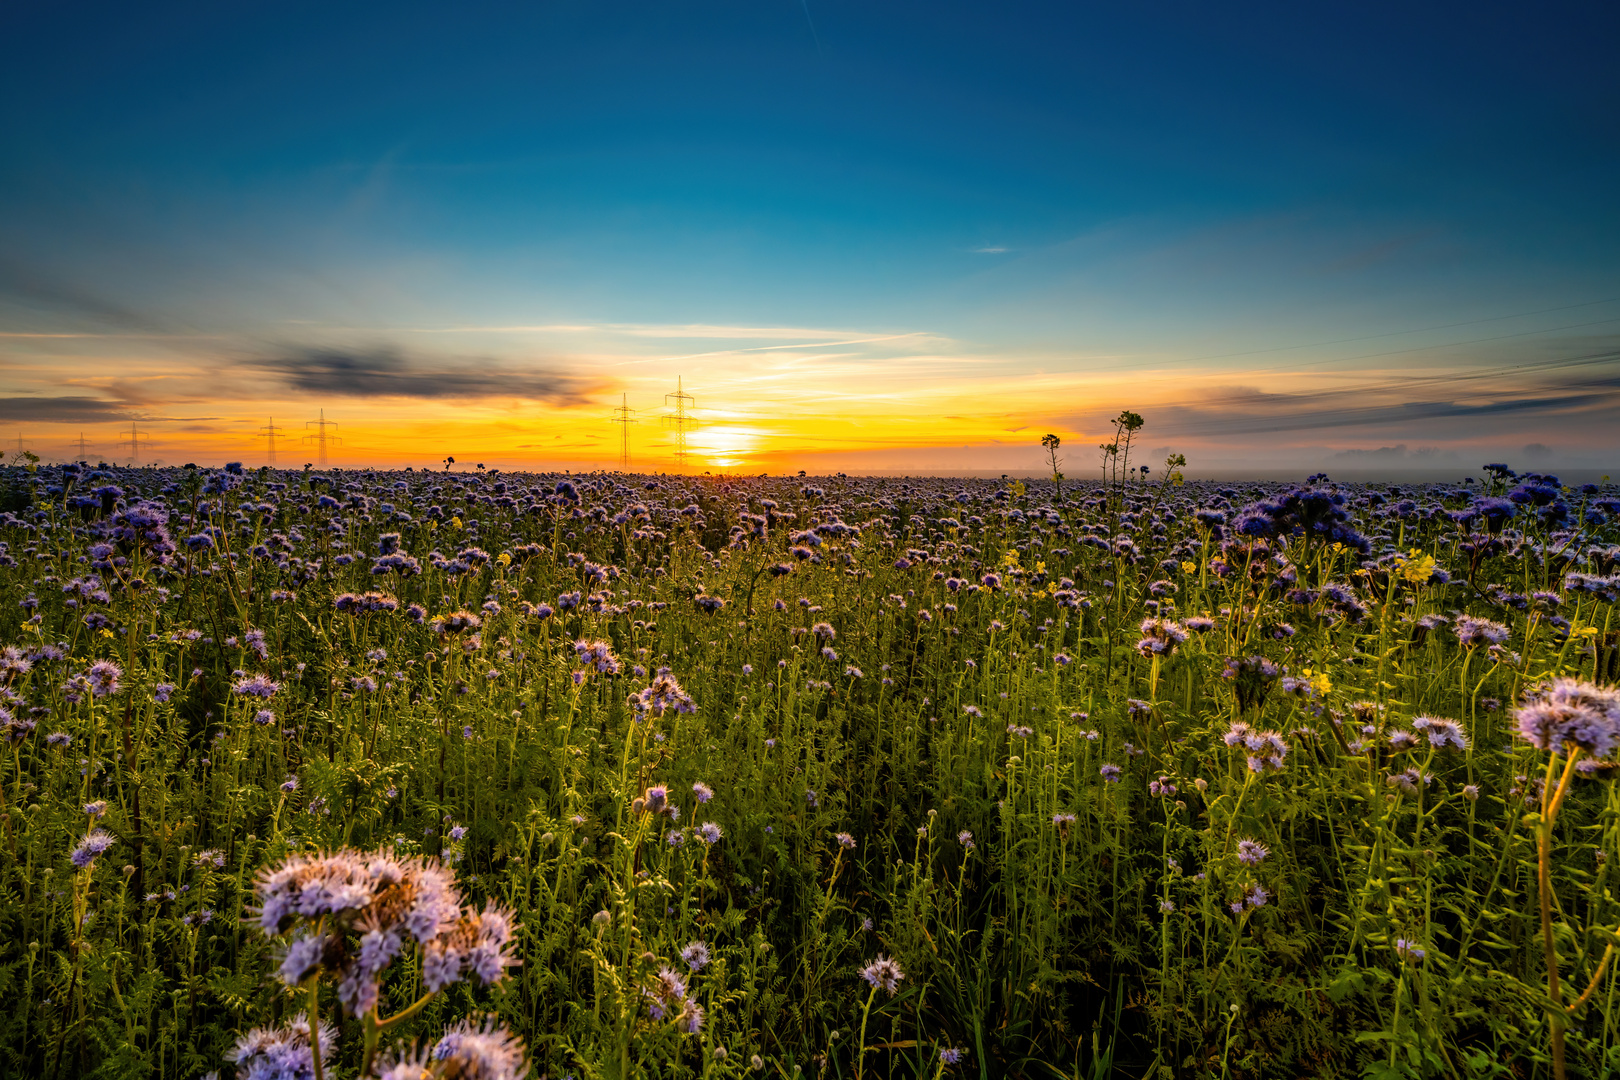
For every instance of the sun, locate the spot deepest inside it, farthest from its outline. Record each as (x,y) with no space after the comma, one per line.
(725,446)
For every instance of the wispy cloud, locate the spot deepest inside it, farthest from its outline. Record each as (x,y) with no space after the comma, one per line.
(36,288)
(1389,455)
(704,331)
(990,251)
(780,348)
(1410,404)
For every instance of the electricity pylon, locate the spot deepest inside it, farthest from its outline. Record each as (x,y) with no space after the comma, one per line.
(134,439)
(84,448)
(680,401)
(321,438)
(624,416)
(270,431)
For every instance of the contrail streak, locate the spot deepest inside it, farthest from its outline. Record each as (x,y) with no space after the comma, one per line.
(807,19)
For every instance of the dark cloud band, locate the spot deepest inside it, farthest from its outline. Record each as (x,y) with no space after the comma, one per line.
(61,410)
(384,372)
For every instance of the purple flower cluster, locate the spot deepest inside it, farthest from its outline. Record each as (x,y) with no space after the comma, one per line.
(668,998)
(883,974)
(1568,715)
(598,656)
(1266,749)
(1160,637)
(471,1049)
(663,694)
(284,1053)
(1442,734)
(373,906)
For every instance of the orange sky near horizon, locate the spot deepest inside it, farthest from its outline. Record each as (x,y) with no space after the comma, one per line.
(766,399)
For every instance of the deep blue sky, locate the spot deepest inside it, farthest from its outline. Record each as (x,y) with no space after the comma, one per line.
(1038,183)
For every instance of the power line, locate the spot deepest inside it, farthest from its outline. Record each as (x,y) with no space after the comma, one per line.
(134,438)
(624,416)
(320,438)
(680,401)
(270,431)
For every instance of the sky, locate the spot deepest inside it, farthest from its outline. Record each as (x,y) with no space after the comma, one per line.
(877,237)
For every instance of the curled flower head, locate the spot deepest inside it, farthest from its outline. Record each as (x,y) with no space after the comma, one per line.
(481,1051)
(655,800)
(1571,713)
(1442,734)
(695,955)
(598,655)
(1252,852)
(283,1051)
(259,686)
(1473,632)
(477,944)
(103,677)
(1160,637)
(665,694)
(1402,740)
(1408,782)
(95,843)
(883,974)
(667,996)
(303,956)
(387,902)
(456,622)
(1266,749)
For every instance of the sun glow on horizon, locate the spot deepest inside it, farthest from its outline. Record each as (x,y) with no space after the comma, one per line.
(726,446)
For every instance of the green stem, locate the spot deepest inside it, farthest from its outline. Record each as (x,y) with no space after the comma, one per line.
(315,1024)
(860,1051)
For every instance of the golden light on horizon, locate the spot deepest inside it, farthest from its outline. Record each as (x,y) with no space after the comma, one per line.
(725,446)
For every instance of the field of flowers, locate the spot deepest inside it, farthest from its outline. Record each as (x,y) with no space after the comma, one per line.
(665,776)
